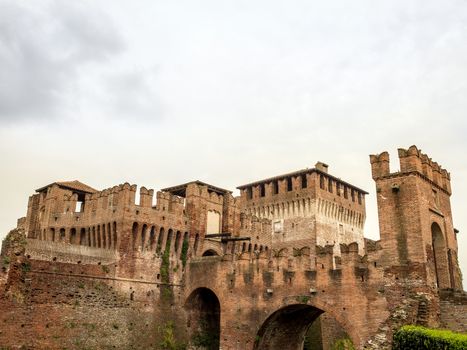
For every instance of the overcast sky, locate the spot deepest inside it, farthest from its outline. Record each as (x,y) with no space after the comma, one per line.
(162,92)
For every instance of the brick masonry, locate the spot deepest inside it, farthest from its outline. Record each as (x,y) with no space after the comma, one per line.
(88,269)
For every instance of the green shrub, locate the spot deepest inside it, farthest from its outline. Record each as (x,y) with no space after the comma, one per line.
(343,344)
(184,254)
(420,338)
(169,341)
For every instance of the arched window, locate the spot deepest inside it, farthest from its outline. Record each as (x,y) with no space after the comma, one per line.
(134,231)
(169,240)
(98,236)
(114,241)
(152,238)
(160,240)
(143,236)
(62,235)
(82,237)
(177,241)
(109,236)
(73,237)
(104,237)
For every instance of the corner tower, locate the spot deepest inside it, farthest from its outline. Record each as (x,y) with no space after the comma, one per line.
(415,218)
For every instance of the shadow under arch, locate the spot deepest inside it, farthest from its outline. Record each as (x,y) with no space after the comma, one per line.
(287,327)
(203,309)
(440,257)
(210,252)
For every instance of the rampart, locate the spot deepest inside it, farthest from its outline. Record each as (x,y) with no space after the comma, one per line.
(202,268)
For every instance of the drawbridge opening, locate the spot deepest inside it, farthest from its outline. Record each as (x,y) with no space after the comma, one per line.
(301,327)
(203,319)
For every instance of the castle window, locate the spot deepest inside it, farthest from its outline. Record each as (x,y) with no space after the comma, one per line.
(262,190)
(213,222)
(115,234)
(160,240)
(321,182)
(134,231)
(346,192)
(62,234)
(304,182)
(352,194)
(435,199)
(330,185)
(249,193)
(359,198)
(338,188)
(289,184)
(178,236)
(275,187)
(73,239)
(79,207)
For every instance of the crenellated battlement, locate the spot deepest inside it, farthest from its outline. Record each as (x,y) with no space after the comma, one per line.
(412,160)
(288,253)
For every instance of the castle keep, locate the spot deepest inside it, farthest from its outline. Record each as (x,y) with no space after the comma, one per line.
(285,265)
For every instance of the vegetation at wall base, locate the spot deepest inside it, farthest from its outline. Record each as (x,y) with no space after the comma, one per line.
(343,344)
(421,338)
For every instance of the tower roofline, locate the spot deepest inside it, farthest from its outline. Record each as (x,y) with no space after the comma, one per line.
(302,172)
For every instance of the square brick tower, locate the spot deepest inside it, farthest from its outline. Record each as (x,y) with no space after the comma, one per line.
(415,218)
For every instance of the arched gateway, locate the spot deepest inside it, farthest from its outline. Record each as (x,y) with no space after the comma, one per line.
(297,327)
(203,322)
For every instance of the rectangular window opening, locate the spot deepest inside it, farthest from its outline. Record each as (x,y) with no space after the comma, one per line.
(275,187)
(304,181)
(262,190)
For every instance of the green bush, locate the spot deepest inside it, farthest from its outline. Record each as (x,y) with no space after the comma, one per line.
(343,344)
(420,338)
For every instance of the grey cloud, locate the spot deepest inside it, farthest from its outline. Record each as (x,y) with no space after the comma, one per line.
(41,52)
(131,94)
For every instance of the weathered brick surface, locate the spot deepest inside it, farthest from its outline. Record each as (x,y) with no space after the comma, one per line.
(120,275)
(453,306)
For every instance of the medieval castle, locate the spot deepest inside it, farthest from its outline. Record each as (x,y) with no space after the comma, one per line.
(283,266)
